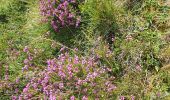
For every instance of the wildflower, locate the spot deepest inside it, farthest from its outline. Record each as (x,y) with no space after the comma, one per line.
(20,98)
(35,86)
(52,97)
(113,39)
(122,98)
(111,88)
(25,67)
(76,60)
(25,89)
(30,57)
(84,98)
(26,61)
(75,49)
(63,48)
(16,90)
(14,97)
(61,85)
(65,4)
(83,62)
(25,49)
(70,15)
(76,70)
(95,74)
(61,74)
(69,67)
(49,62)
(72,97)
(78,21)
(79,82)
(53,24)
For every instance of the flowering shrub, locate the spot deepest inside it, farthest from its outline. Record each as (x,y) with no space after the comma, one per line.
(70,77)
(62,13)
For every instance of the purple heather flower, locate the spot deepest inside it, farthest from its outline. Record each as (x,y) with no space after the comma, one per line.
(79,82)
(55,27)
(122,98)
(95,74)
(61,74)
(52,97)
(107,83)
(30,57)
(84,98)
(14,97)
(35,85)
(63,12)
(25,67)
(20,98)
(25,49)
(69,67)
(75,49)
(49,1)
(17,80)
(46,79)
(26,61)
(65,3)
(70,15)
(76,60)
(72,97)
(83,62)
(49,62)
(48,13)
(76,70)
(63,48)
(111,87)
(78,21)
(25,89)
(61,85)
(16,90)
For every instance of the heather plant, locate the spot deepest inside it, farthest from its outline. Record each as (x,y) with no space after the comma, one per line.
(75,77)
(60,13)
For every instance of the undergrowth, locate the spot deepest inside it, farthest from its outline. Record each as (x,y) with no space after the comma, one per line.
(84,49)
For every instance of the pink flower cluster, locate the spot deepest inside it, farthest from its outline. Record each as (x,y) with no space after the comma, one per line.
(69,77)
(62,13)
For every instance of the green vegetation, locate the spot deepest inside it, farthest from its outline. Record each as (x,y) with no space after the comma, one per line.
(84,49)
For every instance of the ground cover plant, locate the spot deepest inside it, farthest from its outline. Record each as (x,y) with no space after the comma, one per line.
(84,50)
